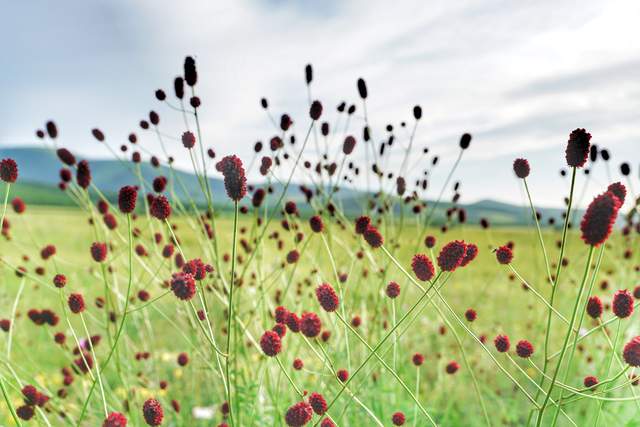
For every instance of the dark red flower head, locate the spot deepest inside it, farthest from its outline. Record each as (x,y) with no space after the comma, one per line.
(76,303)
(502,343)
(577,150)
(631,352)
(471,315)
(422,267)
(18,205)
(373,237)
(417,359)
(524,349)
(25,412)
(348,145)
(327,297)
(599,218)
(183,359)
(299,414)
(83,174)
(99,251)
(196,268)
(393,290)
(152,412)
(188,139)
(430,241)
(452,367)
(159,184)
(66,156)
(470,254)
(318,403)
(343,375)
(398,419)
(315,111)
(315,222)
(8,170)
(310,324)
(504,255)
(361,224)
(590,381)
(160,208)
(190,72)
(270,343)
(115,419)
(451,255)
(59,280)
(618,190)
(293,256)
(521,168)
(235,182)
(127,198)
(293,322)
(281,314)
(622,305)
(594,307)
(183,286)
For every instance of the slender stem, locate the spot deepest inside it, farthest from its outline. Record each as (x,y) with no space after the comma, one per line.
(566,338)
(9,404)
(607,369)
(540,239)
(230,314)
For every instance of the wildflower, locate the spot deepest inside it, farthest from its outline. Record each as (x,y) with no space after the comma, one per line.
(521,168)
(631,352)
(152,412)
(318,403)
(622,304)
(235,182)
(160,208)
(422,267)
(183,286)
(524,349)
(99,251)
(452,367)
(417,359)
(188,139)
(115,419)
(594,307)
(310,325)
(127,199)
(76,303)
(578,148)
(504,255)
(393,290)
(451,255)
(598,220)
(502,343)
(298,414)
(398,419)
(590,381)
(8,170)
(327,297)
(373,237)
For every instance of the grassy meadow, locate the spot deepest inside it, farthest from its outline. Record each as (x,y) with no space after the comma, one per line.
(165,326)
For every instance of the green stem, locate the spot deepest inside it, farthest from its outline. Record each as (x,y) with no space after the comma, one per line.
(230,314)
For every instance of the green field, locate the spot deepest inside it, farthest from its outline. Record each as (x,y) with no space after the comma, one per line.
(167,327)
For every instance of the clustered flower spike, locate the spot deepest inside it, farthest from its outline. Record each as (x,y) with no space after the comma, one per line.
(235,182)
(327,297)
(298,414)
(504,255)
(152,412)
(451,255)
(597,222)
(422,267)
(577,150)
(521,168)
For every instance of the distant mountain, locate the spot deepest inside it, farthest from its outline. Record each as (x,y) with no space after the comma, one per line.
(39,177)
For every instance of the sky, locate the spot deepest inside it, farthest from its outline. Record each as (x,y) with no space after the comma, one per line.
(518,76)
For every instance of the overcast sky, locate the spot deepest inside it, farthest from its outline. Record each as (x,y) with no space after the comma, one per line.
(519,76)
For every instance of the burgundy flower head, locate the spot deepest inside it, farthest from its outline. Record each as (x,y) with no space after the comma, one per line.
(393,290)
(590,381)
(362,223)
(299,414)
(183,286)
(470,254)
(281,314)
(521,168)
(452,367)
(631,352)
(343,375)
(115,419)
(502,343)
(315,111)
(597,222)
(188,139)
(318,403)
(373,237)
(310,324)
(235,182)
(152,412)
(430,241)
(66,156)
(422,267)
(127,198)
(524,349)
(160,208)
(594,307)
(451,255)
(504,255)
(578,146)
(398,419)
(417,359)
(348,145)
(83,174)
(327,297)
(293,322)
(18,205)
(622,305)
(8,170)
(99,251)
(76,303)
(270,343)
(315,222)
(618,190)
